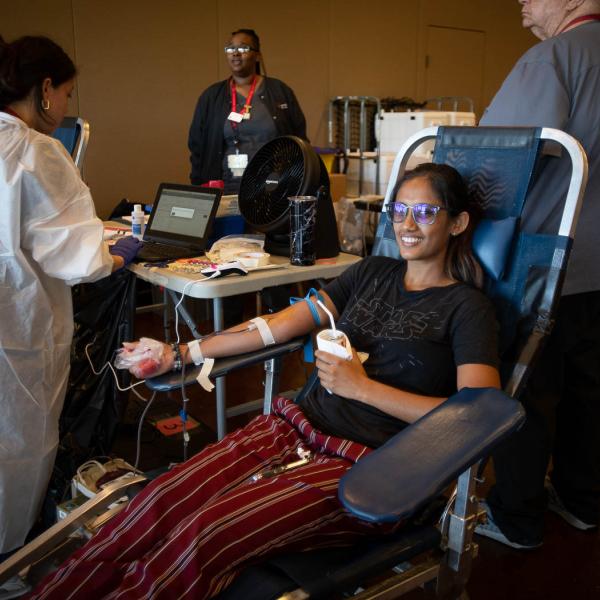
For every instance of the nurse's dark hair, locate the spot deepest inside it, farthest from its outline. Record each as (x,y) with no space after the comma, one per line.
(451,190)
(255,42)
(26,63)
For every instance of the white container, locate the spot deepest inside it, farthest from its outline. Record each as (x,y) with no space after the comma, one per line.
(462,119)
(334,342)
(386,162)
(394,128)
(138,222)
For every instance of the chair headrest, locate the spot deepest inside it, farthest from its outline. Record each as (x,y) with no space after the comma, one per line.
(492,241)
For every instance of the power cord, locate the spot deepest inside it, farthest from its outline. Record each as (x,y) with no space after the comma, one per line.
(108,365)
(148,402)
(183,412)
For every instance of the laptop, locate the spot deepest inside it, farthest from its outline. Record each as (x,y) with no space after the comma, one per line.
(180,222)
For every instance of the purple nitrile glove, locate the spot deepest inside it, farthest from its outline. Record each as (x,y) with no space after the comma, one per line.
(127,248)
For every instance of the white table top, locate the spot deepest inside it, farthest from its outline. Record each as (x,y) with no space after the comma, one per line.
(232,285)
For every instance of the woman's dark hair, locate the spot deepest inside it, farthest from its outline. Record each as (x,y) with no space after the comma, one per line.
(26,63)
(451,190)
(255,42)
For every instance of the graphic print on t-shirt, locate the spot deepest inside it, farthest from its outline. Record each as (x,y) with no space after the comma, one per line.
(382,320)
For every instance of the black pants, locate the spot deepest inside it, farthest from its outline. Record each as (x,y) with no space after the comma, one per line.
(562,403)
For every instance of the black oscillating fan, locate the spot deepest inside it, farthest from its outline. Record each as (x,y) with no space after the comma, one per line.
(287,166)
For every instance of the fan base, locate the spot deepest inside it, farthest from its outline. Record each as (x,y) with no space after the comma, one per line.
(325,246)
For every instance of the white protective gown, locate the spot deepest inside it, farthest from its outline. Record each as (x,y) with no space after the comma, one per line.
(50,238)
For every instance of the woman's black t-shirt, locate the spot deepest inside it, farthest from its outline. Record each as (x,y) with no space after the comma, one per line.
(415,341)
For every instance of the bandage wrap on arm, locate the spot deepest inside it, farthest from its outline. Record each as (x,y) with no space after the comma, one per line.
(264,330)
(207,365)
(195,352)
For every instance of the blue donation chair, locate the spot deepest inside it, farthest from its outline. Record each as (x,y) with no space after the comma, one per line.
(403,479)
(524,275)
(74,133)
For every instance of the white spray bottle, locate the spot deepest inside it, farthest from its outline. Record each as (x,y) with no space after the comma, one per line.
(137,222)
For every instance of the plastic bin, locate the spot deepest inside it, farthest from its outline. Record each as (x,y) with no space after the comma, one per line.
(228,225)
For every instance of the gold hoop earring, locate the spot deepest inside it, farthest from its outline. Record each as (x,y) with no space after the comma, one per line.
(46,104)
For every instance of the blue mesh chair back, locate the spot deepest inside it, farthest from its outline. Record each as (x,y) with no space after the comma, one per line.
(523,270)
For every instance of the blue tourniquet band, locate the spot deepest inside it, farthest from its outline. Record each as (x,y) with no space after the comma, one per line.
(308,347)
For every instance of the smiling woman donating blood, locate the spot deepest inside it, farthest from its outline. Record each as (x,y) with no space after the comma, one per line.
(427,332)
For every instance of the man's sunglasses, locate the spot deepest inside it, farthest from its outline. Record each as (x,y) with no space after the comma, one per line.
(241,49)
(422,213)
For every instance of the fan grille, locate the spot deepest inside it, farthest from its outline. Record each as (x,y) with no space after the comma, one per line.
(276,172)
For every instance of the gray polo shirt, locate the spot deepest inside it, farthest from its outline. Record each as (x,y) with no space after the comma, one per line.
(557,84)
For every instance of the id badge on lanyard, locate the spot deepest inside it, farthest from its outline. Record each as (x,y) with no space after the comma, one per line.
(237,162)
(244,114)
(235,117)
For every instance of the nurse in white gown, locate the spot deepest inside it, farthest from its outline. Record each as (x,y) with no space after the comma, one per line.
(50,239)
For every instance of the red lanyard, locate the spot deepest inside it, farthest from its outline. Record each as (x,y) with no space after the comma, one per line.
(248,104)
(583,18)
(11,112)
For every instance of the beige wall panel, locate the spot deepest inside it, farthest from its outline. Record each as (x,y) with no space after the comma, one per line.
(455,60)
(294,40)
(507,40)
(462,14)
(41,17)
(457,14)
(373,48)
(143,65)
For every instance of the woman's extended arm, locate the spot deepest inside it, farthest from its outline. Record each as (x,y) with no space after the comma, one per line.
(349,379)
(285,325)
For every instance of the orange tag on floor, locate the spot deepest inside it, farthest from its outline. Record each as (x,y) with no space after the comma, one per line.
(174,425)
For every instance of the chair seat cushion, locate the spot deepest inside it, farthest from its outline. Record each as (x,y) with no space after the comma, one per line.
(321,573)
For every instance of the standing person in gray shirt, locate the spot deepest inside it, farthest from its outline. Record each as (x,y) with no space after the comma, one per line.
(557,84)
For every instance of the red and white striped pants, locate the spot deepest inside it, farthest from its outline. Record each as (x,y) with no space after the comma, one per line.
(188,533)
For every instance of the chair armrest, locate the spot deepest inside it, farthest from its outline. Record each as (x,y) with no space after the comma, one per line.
(223,366)
(394,481)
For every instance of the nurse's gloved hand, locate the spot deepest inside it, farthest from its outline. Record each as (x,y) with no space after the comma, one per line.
(127,248)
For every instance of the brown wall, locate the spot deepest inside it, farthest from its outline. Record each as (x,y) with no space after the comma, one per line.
(143,64)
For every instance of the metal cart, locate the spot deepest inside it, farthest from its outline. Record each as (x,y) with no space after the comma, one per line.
(351,128)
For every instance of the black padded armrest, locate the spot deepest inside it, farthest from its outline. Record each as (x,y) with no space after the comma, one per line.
(223,366)
(394,481)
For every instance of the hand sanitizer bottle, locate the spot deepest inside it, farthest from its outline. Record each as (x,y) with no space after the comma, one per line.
(137,222)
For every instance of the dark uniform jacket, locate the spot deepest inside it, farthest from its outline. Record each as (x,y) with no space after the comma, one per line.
(214,105)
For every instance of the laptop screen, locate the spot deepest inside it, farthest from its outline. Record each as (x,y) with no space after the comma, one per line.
(182,213)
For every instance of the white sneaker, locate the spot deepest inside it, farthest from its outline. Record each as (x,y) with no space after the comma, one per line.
(556,506)
(490,530)
(13,588)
